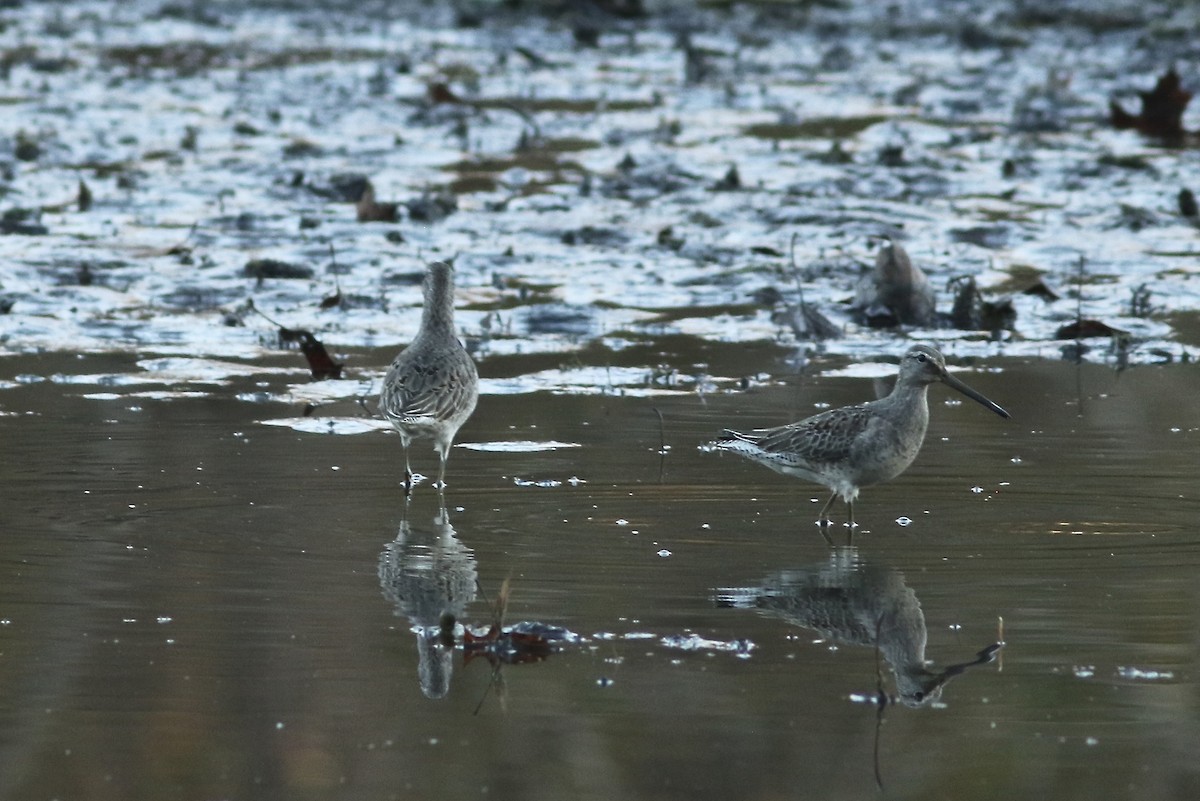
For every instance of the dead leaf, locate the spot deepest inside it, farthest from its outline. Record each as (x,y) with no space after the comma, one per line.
(263,269)
(1187,203)
(1162,109)
(1087,329)
(1041,289)
(371,210)
(439,92)
(320,363)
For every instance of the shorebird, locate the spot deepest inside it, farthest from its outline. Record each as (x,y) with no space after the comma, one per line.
(898,292)
(433,385)
(852,447)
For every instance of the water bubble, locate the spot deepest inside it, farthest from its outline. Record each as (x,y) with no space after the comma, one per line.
(664,553)
(904,521)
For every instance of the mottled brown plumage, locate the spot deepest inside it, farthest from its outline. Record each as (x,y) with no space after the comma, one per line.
(856,446)
(433,385)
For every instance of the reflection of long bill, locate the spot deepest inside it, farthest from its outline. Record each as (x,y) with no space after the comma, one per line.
(950,671)
(978,397)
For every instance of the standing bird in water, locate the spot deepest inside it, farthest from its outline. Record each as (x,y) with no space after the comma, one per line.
(856,446)
(432,386)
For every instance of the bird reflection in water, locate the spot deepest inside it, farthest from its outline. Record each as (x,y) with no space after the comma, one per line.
(854,602)
(430,576)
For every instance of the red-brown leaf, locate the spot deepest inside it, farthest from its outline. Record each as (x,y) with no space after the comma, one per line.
(1162,109)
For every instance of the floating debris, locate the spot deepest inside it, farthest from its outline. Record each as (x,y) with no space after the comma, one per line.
(263,269)
(369,209)
(1162,110)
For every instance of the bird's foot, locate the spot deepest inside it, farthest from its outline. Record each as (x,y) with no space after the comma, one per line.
(411,480)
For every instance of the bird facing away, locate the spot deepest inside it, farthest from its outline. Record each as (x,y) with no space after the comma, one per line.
(856,446)
(432,386)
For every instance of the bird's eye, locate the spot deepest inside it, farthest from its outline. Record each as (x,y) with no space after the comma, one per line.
(921,357)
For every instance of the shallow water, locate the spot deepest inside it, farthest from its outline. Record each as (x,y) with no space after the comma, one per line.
(212,586)
(193,603)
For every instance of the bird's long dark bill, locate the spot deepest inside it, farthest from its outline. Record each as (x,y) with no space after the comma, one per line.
(973,395)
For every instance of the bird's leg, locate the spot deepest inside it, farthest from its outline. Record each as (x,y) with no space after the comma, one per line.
(443,454)
(408,482)
(441,482)
(823,518)
(850,524)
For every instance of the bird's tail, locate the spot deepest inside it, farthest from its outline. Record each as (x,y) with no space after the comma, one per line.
(736,597)
(736,441)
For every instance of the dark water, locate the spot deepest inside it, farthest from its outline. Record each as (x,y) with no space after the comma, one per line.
(192,605)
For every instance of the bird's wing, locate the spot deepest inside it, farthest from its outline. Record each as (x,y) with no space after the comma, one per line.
(826,437)
(428,387)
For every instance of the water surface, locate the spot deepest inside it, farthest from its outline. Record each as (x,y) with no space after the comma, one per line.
(192,601)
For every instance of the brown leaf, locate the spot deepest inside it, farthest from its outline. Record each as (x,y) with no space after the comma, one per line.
(441,93)
(1187,203)
(1086,329)
(320,363)
(84,198)
(1040,289)
(1162,109)
(371,210)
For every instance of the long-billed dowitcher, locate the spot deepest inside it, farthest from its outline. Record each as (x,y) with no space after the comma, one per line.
(432,386)
(856,446)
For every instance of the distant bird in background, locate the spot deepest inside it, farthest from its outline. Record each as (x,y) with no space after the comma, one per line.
(856,446)
(898,291)
(432,386)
